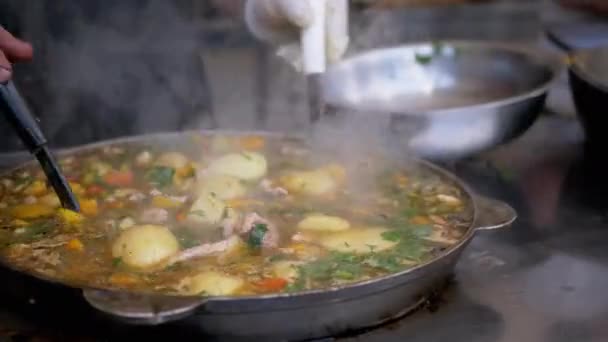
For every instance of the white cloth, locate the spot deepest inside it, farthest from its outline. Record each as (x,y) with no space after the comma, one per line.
(280,22)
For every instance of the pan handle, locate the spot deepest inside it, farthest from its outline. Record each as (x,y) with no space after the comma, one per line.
(142,309)
(492,214)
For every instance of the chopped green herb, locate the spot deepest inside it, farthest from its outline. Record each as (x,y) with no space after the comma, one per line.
(423,59)
(392,235)
(187,240)
(33,232)
(256,235)
(161,176)
(116,262)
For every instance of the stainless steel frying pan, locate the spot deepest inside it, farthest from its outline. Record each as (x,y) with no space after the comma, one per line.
(305,315)
(449,99)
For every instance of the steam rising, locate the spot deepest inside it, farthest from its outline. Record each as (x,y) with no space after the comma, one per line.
(124,68)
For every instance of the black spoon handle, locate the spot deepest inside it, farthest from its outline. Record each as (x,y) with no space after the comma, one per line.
(17,113)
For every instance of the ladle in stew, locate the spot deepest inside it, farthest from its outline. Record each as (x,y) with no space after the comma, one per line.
(17,113)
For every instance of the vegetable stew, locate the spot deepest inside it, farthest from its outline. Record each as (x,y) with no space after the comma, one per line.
(222,215)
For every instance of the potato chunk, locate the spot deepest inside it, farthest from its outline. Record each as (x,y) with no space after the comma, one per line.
(173,160)
(323,223)
(145,246)
(207,209)
(309,182)
(247,166)
(358,240)
(225,187)
(213,283)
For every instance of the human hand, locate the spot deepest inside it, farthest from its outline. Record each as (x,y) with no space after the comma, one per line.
(280,23)
(11,50)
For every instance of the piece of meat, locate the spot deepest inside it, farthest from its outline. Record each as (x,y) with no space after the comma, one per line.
(154,215)
(266,185)
(271,238)
(230,223)
(205,249)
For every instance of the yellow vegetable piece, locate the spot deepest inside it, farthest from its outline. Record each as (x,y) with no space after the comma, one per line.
(213,284)
(242,203)
(19,223)
(50,200)
(69,217)
(37,188)
(89,207)
(165,202)
(75,245)
(316,182)
(323,223)
(173,160)
(185,172)
(286,269)
(358,241)
(420,220)
(30,211)
(77,189)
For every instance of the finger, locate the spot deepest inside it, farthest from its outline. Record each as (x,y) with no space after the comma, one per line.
(13,48)
(266,21)
(5,68)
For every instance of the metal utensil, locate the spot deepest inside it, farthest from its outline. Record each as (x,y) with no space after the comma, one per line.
(285,316)
(16,112)
(314,58)
(446,100)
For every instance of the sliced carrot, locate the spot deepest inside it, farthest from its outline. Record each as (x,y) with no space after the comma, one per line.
(180,217)
(75,245)
(123,279)
(118,178)
(272,284)
(95,190)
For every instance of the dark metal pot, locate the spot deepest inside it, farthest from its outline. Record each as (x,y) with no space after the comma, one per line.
(588,75)
(589,84)
(306,315)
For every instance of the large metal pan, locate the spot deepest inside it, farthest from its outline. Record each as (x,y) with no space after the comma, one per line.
(304,315)
(450,99)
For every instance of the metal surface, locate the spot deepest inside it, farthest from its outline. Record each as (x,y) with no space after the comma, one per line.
(449,99)
(310,314)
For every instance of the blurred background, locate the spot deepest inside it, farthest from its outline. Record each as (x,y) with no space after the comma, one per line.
(108,68)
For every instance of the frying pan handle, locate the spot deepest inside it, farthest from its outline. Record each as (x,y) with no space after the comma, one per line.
(142,309)
(492,214)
